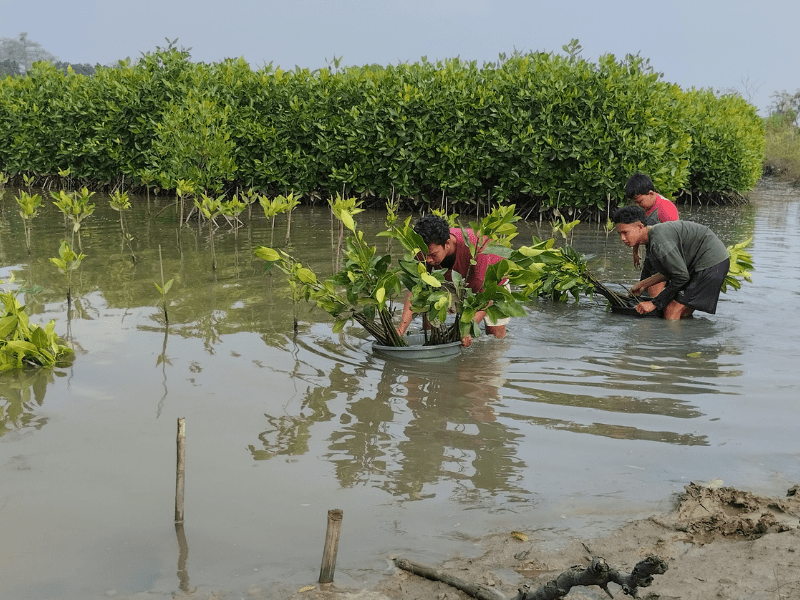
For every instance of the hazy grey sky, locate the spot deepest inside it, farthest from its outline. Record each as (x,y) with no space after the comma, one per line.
(750,45)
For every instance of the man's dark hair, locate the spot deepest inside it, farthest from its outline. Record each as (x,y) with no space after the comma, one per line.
(433,229)
(638,184)
(628,214)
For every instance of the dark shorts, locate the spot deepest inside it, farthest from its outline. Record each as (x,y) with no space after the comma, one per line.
(702,291)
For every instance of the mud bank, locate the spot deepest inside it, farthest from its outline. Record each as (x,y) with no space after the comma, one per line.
(718,542)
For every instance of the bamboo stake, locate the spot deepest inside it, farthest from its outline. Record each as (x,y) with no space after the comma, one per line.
(180,478)
(331,546)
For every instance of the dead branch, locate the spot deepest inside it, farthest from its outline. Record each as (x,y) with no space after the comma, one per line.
(481,592)
(598,573)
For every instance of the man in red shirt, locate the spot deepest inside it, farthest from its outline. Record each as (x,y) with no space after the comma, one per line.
(657,209)
(447,250)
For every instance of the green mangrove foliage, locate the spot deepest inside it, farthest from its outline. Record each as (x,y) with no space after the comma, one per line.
(164,288)
(364,288)
(278,205)
(564,273)
(28,209)
(367,280)
(741,266)
(67,261)
(120,202)
(727,150)
(782,146)
(538,128)
(23,343)
(75,206)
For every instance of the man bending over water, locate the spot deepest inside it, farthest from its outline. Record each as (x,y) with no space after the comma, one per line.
(688,256)
(447,250)
(657,209)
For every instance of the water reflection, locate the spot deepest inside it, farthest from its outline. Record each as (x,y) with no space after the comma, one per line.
(21,394)
(445,426)
(405,424)
(288,435)
(183,558)
(163,360)
(576,402)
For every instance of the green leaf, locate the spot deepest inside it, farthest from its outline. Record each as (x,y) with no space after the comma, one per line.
(8,325)
(268,254)
(430,280)
(347,220)
(306,275)
(22,346)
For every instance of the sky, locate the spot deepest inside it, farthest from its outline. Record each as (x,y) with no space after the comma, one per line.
(747,45)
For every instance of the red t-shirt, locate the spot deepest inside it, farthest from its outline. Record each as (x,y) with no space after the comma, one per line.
(462,260)
(661,212)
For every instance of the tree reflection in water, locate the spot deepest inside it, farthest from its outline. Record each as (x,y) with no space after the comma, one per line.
(417,425)
(21,395)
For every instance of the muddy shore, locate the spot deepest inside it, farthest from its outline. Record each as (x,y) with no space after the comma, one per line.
(718,542)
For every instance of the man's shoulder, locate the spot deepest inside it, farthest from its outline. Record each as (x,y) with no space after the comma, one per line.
(664,230)
(675,228)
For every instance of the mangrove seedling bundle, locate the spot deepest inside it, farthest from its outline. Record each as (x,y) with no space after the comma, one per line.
(364,289)
(23,343)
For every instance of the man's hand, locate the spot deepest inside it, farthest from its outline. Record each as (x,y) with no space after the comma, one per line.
(645,307)
(636,289)
(466,341)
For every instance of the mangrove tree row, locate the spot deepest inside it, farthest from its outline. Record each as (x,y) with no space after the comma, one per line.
(537,128)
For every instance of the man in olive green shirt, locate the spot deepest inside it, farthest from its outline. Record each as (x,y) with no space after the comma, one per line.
(688,256)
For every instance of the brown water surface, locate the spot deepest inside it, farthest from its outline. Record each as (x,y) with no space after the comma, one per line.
(576,422)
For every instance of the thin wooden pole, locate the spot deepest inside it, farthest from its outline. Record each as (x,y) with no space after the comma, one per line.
(180,478)
(331,546)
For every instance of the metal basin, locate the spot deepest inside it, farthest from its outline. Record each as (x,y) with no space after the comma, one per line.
(416,351)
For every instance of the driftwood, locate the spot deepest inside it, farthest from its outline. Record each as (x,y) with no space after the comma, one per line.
(598,573)
(481,592)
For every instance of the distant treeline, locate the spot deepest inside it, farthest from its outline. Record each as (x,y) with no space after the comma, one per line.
(10,68)
(535,129)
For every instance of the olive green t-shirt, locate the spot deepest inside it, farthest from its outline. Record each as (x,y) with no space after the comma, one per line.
(680,249)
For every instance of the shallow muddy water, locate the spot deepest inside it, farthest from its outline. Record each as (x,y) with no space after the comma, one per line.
(578,421)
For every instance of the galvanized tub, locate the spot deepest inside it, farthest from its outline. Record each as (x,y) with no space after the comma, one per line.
(416,351)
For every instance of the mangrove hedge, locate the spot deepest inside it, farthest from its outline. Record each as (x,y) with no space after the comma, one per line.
(534,129)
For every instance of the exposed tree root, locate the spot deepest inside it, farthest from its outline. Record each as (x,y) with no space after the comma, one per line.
(597,573)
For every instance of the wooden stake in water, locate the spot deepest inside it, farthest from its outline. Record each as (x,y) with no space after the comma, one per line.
(180,478)
(331,546)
